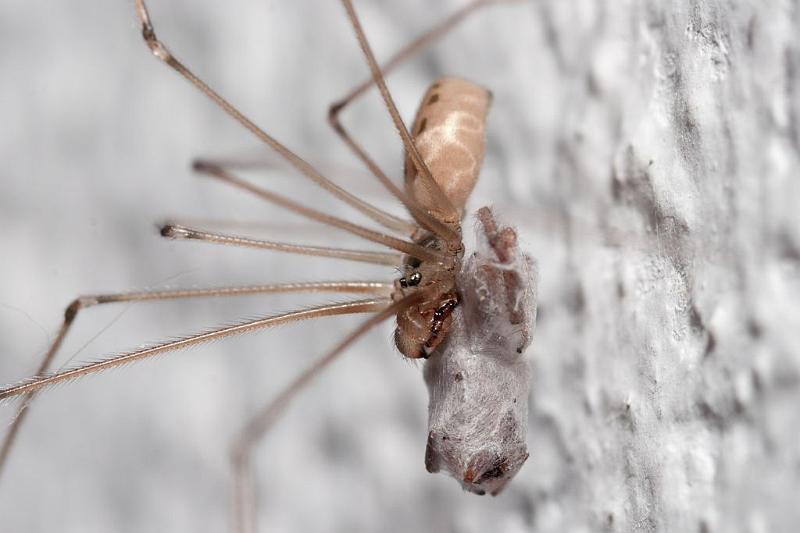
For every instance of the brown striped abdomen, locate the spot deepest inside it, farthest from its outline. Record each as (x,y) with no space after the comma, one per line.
(449,134)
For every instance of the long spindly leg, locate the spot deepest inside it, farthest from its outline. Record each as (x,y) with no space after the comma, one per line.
(82,302)
(451,216)
(403,226)
(178,232)
(161,52)
(399,224)
(242,449)
(410,248)
(405,53)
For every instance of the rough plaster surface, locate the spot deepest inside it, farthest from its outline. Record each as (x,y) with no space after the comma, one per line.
(648,152)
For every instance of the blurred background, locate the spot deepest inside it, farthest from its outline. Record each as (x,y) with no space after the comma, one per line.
(646,151)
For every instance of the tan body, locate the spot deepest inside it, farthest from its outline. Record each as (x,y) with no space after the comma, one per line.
(448,132)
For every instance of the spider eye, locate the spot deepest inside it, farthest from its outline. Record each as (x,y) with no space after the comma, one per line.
(410,281)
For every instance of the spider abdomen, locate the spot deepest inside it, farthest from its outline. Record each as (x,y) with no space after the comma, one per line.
(449,133)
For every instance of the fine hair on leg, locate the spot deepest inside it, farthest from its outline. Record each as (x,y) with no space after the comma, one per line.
(40,382)
(83,302)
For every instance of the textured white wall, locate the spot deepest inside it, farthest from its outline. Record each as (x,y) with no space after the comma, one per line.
(648,152)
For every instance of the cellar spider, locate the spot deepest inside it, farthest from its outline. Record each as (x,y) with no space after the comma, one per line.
(429,247)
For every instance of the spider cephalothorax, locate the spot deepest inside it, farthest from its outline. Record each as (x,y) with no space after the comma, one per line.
(422,327)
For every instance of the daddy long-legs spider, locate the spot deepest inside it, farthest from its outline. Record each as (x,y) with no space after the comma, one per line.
(154,390)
